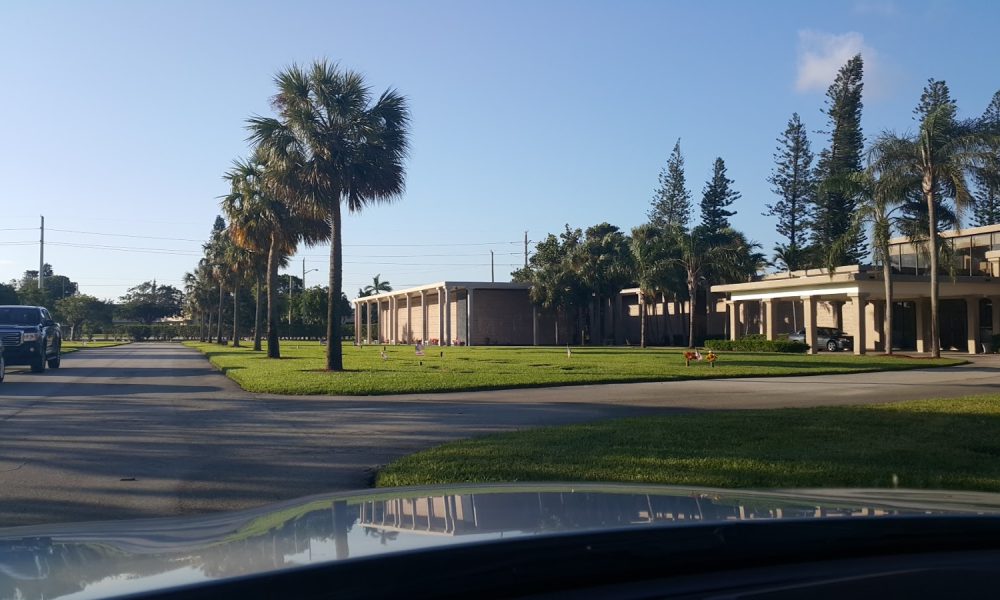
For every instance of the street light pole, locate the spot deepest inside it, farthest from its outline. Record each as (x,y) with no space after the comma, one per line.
(289,303)
(304,286)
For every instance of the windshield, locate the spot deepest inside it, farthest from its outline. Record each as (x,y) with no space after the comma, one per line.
(319,247)
(19,316)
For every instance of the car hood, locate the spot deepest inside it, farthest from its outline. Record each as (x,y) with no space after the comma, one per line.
(107,559)
(5,327)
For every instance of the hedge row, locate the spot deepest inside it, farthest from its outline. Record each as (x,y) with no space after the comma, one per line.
(756,343)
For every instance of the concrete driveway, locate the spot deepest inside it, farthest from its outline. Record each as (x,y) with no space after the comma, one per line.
(152,430)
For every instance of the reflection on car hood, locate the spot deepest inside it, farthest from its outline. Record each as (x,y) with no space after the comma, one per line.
(122,557)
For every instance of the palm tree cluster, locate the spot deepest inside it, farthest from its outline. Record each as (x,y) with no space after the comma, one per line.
(576,274)
(331,145)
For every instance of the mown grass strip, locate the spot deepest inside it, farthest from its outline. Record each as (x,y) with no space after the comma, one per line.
(937,444)
(301,368)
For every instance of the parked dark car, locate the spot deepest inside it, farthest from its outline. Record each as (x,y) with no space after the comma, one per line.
(30,337)
(826,337)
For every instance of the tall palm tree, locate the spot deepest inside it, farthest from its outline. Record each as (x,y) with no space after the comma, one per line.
(879,205)
(269,227)
(334,146)
(940,156)
(726,257)
(650,252)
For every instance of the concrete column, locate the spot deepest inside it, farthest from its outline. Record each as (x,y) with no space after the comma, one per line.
(468,318)
(879,316)
(368,317)
(769,319)
(920,308)
(423,316)
(392,320)
(357,324)
(858,304)
(809,321)
(972,323)
(734,319)
(442,340)
(409,320)
(447,316)
(761,324)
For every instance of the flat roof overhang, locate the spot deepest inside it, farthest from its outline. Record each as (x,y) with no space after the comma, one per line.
(449,285)
(842,284)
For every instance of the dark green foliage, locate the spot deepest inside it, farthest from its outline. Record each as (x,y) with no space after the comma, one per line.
(8,294)
(986,205)
(55,287)
(148,302)
(672,201)
(716,199)
(833,210)
(795,185)
(81,310)
(756,343)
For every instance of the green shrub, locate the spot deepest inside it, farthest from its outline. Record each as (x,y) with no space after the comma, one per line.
(756,343)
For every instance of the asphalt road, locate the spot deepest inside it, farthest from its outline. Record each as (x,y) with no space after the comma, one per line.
(152,430)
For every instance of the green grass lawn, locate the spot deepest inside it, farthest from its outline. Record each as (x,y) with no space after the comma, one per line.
(946,444)
(300,370)
(68,346)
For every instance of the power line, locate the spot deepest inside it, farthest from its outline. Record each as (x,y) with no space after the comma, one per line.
(170,251)
(126,235)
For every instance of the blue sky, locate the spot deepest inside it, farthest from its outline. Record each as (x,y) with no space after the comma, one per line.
(120,117)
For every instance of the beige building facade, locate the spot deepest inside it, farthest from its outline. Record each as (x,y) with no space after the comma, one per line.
(449,313)
(851,299)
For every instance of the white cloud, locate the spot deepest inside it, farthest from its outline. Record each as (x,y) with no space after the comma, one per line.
(822,54)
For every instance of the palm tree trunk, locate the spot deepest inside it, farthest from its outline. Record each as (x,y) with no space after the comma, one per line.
(256,315)
(219,331)
(236,315)
(556,319)
(208,336)
(928,185)
(887,324)
(692,290)
(273,348)
(203,318)
(642,321)
(334,352)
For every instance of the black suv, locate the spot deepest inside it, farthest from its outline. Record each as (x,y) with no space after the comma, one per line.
(30,337)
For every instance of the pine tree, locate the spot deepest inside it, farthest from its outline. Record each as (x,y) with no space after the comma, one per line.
(795,185)
(716,198)
(833,211)
(672,201)
(986,207)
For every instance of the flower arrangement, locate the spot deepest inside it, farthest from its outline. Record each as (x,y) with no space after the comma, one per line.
(690,355)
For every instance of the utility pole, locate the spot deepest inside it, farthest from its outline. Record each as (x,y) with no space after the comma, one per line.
(525,249)
(304,287)
(41,256)
(492,276)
